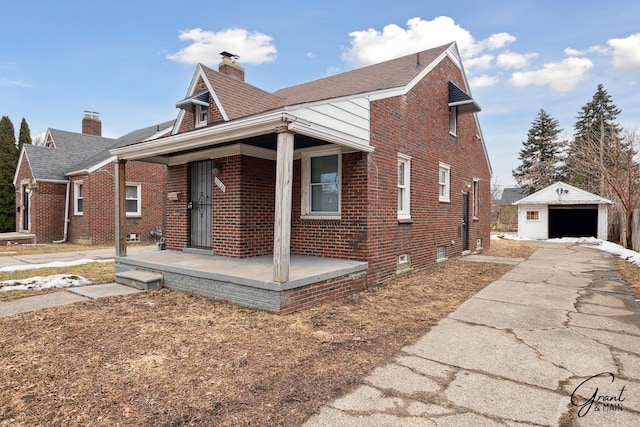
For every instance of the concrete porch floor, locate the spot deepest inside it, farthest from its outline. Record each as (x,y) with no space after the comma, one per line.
(255,272)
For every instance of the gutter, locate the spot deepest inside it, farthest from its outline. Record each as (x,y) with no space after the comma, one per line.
(66,215)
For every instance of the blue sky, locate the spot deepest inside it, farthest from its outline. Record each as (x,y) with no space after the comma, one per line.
(132,60)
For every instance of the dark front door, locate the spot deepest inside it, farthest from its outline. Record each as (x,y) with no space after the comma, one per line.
(25,207)
(464,229)
(201,204)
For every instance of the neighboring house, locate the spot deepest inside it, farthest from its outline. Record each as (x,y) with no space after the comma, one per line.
(384,165)
(65,189)
(505,214)
(562,210)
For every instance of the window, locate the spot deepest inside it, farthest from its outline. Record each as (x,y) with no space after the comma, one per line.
(201,115)
(78,200)
(133,237)
(453,120)
(321,184)
(441,253)
(476,197)
(444,180)
(132,199)
(532,216)
(404,189)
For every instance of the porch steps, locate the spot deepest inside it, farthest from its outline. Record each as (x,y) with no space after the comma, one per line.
(144,280)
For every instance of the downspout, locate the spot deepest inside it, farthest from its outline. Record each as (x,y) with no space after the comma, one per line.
(66,215)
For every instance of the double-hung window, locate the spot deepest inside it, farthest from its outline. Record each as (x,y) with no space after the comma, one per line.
(444,182)
(321,184)
(202,116)
(133,199)
(404,187)
(78,199)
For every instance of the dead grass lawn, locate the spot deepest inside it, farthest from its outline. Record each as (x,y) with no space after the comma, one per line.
(169,358)
(631,274)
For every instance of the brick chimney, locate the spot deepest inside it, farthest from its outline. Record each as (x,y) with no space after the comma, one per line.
(230,66)
(91,124)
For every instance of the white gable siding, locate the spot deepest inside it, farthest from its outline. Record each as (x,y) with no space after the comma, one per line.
(349,116)
(528,229)
(603,222)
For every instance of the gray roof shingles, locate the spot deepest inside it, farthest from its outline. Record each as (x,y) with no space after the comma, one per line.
(76,151)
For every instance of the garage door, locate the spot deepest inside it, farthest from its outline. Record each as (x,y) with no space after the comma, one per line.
(573,221)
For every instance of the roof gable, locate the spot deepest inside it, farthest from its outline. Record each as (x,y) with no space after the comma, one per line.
(560,193)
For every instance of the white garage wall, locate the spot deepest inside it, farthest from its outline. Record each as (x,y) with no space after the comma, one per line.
(603,222)
(531,229)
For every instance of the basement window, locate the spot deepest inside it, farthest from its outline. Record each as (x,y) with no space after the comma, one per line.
(133,237)
(441,253)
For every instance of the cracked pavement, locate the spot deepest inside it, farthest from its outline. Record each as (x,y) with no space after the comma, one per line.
(554,342)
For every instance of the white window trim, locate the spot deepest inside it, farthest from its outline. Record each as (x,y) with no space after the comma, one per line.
(76,186)
(447,197)
(305,159)
(138,198)
(198,111)
(453,121)
(406,201)
(476,198)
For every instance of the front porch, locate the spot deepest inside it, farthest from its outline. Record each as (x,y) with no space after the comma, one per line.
(249,281)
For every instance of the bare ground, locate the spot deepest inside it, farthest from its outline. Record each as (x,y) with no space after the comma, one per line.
(168,358)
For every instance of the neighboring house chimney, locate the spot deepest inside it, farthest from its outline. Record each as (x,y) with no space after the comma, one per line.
(230,67)
(91,124)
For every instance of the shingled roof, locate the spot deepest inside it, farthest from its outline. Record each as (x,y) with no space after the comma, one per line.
(74,151)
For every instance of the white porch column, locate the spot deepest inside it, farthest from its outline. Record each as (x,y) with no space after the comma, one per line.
(282,221)
(121,208)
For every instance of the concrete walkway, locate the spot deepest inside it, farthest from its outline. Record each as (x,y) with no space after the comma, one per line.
(66,295)
(518,353)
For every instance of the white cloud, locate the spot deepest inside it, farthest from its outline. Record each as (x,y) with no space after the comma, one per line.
(483,81)
(310,55)
(514,60)
(372,46)
(205,47)
(573,52)
(481,62)
(560,76)
(626,52)
(19,83)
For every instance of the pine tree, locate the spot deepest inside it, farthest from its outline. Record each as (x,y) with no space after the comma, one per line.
(7,171)
(541,155)
(596,121)
(23,138)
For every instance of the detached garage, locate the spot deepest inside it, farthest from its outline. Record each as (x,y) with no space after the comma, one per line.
(562,210)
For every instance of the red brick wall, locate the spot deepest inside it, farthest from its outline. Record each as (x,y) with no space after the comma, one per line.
(345,238)
(46,206)
(176,218)
(417,125)
(97,223)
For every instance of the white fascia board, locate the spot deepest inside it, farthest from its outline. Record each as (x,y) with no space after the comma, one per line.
(331,135)
(52,181)
(226,151)
(204,137)
(23,154)
(160,133)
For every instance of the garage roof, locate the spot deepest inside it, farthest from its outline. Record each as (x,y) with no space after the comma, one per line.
(561,193)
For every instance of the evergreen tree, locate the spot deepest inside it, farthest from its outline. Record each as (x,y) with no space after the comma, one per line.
(596,129)
(23,138)
(541,155)
(7,171)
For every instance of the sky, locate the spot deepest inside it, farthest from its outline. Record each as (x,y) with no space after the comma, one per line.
(132,60)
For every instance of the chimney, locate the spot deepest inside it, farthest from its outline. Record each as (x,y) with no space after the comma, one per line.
(91,124)
(230,66)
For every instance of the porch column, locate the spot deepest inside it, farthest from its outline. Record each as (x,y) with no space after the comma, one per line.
(121,208)
(282,221)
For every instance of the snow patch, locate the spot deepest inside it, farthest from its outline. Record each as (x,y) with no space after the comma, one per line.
(44,282)
(54,264)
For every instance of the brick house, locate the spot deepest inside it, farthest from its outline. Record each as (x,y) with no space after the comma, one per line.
(377,171)
(65,188)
